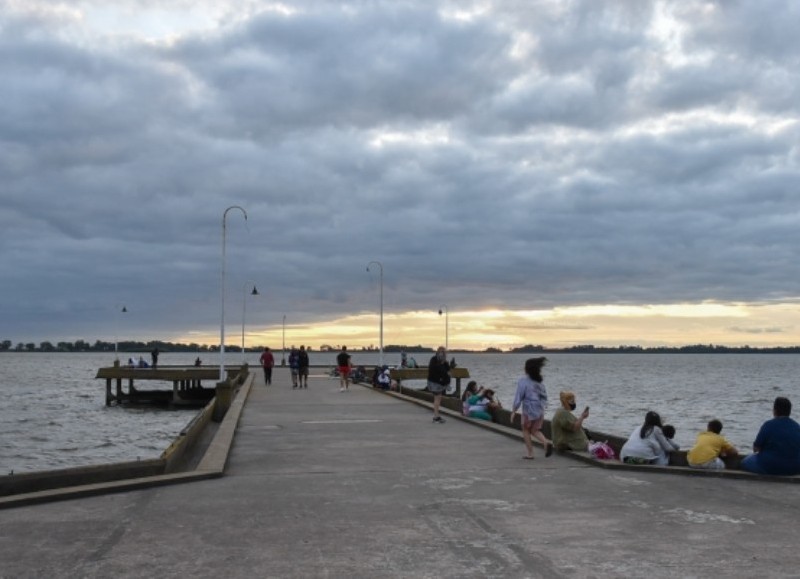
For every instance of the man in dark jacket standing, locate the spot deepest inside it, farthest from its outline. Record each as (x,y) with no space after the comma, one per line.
(438,380)
(302,367)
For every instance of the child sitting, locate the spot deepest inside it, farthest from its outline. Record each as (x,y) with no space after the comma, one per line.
(709,447)
(483,404)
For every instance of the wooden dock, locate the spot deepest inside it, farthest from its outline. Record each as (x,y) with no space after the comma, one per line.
(123,385)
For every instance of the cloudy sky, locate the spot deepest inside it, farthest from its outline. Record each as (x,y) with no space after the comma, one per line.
(553,172)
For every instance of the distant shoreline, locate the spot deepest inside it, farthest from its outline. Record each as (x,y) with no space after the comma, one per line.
(168,347)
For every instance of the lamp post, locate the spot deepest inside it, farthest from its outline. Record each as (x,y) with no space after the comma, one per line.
(283,342)
(222,316)
(380,265)
(446,327)
(116,337)
(244,309)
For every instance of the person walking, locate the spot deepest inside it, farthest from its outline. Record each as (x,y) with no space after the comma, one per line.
(344,366)
(294,365)
(438,380)
(531,396)
(267,362)
(302,367)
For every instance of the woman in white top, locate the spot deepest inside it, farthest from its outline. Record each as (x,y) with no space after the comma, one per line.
(647,444)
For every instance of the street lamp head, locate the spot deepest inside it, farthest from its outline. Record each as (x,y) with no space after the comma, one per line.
(124,309)
(254,292)
(440,312)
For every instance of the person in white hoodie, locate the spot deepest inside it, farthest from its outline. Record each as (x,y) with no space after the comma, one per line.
(647,444)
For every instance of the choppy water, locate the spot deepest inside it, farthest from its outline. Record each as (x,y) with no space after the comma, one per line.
(686,389)
(54,415)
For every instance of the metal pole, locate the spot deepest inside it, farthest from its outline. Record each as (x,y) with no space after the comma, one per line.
(222,314)
(116,333)
(446,326)
(283,342)
(244,304)
(380,265)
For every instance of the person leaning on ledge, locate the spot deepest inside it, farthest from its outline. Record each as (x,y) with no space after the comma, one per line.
(567,430)
(776,449)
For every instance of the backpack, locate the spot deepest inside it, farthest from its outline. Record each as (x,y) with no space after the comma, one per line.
(602,451)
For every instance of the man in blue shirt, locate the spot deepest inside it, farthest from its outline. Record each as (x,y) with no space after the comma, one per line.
(776,449)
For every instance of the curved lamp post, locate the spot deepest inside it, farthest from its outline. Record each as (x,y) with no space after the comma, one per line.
(446,327)
(244,308)
(283,342)
(380,265)
(123,310)
(222,316)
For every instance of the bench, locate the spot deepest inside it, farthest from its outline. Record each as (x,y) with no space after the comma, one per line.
(401,374)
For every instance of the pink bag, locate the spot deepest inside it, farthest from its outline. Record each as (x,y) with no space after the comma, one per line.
(602,451)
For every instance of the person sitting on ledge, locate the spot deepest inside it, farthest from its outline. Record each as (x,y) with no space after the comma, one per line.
(384,378)
(483,404)
(709,447)
(776,449)
(647,444)
(567,429)
(470,391)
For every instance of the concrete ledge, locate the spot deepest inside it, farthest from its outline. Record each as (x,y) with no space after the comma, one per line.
(52,479)
(422,398)
(212,465)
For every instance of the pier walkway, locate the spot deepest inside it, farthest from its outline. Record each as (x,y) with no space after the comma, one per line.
(360,484)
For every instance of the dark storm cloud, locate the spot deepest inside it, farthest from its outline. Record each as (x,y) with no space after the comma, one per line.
(527,155)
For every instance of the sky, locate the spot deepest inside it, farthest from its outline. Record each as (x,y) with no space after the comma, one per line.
(543,172)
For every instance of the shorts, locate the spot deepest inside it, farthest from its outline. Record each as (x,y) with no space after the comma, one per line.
(637,460)
(344,371)
(294,371)
(532,425)
(713,464)
(436,388)
(303,371)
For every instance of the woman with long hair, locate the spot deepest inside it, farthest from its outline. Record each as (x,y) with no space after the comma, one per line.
(531,396)
(647,444)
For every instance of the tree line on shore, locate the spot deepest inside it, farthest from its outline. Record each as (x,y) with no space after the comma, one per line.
(138,346)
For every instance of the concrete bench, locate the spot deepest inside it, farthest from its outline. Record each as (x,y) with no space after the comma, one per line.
(401,374)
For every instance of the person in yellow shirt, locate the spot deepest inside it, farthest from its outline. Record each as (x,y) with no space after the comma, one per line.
(709,447)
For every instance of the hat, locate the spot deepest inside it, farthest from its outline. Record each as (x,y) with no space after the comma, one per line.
(567,397)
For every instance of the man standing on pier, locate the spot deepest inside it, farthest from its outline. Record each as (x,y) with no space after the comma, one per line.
(302,367)
(267,362)
(345,365)
(294,365)
(154,357)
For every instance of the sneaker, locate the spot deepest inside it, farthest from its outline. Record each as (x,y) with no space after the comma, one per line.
(438,419)
(341,389)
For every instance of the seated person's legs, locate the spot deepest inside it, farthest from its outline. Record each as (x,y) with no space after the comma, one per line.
(750,464)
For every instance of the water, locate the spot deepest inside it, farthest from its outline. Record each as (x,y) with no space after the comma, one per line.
(687,390)
(54,414)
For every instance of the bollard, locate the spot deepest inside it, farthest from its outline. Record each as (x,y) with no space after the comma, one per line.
(222,400)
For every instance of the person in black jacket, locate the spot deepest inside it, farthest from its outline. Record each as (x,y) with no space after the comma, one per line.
(302,367)
(438,380)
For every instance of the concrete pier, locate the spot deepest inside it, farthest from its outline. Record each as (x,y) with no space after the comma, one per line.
(360,484)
